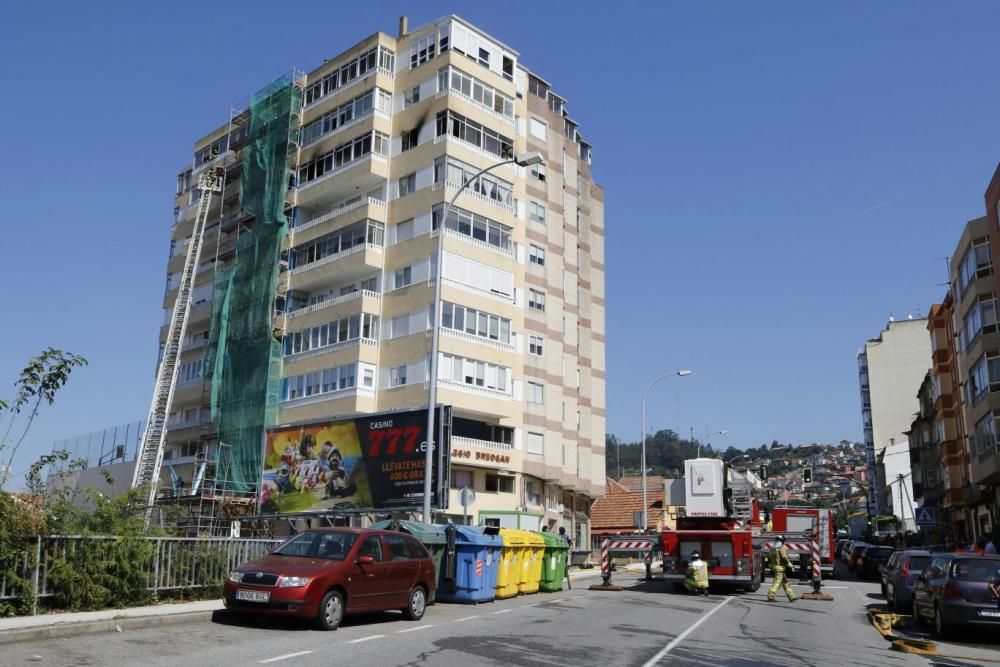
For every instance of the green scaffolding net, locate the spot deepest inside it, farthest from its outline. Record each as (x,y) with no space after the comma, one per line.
(243,358)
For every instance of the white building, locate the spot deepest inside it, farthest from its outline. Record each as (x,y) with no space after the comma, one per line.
(896,482)
(890,370)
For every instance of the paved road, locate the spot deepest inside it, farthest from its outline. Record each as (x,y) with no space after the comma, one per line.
(578,627)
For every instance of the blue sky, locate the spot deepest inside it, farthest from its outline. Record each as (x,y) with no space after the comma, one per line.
(779,176)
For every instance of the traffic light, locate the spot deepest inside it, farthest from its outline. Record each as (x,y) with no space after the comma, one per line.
(807,475)
(809,496)
(763,472)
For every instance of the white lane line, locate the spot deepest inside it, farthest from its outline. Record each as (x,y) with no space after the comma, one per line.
(285,657)
(555,600)
(467,618)
(502,611)
(365,639)
(419,627)
(682,636)
(836,587)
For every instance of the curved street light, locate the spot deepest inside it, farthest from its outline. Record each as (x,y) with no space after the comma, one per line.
(521,160)
(708,435)
(645,505)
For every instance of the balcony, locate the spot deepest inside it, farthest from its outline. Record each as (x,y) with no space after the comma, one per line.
(349,392)
(337,95)
(363,174)
(485,392)
(451,187)
(479,340)
(325,220)
(477,104)
(336,347)
(336,301)
(346,265)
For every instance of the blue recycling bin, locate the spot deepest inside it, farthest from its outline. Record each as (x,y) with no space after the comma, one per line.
(477,562)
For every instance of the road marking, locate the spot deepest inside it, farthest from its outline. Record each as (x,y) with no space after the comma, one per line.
(420,627)
(555,600)
(682,636)
(531,605)
(467,618)
(365,639)
(502,611)
(285,657)
(837,587)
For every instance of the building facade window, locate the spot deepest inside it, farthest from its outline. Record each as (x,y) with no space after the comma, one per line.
(536,393)
(475,322)
(536,212)
(976,263)
(457,173)
(535,443)
(423,50)
(379,57)
(402,277)
(536,255)
(461,479)
(475,373)
(458,126)
(320,382)
(475,226)
(190,371)
(499,484)
(537,172)
(986,436)
(343,330)
(407,184)
(358,234)
(536,346)
(984,377)
(482,93)
(981,317)
(368,143)
(411,97)
(536,299)
(360,107)
(397,376)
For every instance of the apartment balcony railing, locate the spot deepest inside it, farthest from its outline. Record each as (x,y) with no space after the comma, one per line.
(346,126)
(347,166)
(474,390)
(510,207)
(349,392)
(479,340)
(465,144)
(451,233)
(344,298)
(353,84)
(498,296)
(338,211)
(298,270)
(461,441)
(336,347)
(476,103)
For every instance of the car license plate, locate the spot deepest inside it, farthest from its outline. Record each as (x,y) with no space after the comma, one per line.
(990,612)
(253,596)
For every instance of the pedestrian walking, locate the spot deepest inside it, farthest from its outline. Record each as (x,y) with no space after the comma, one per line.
(991,547)
(779,562)
(696,579)
(565,536)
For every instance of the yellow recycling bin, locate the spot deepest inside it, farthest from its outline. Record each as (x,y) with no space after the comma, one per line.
(531,567)
(509,570)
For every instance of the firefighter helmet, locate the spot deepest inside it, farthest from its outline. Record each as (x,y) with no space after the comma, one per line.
(694,555)
(780,539)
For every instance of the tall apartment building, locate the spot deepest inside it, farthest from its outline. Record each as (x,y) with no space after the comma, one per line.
(353,164)
(890,371)
(974,290)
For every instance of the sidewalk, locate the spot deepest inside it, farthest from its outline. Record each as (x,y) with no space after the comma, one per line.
(43,626)
(69,624)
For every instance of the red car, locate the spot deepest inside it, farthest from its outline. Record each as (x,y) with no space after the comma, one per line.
(323,574)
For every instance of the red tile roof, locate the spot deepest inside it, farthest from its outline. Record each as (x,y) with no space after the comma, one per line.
(614,512)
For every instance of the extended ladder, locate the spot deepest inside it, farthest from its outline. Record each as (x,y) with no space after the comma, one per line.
(150,458)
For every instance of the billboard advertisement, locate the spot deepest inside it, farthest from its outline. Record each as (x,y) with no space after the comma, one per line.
(373,462)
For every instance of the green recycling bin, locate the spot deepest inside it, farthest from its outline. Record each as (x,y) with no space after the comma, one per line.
(432,537)
(553,562)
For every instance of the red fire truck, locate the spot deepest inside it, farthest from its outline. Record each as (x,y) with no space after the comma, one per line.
(804,529)
(720,520)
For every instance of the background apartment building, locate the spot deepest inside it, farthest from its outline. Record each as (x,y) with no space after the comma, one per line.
(368,148)
(891,369)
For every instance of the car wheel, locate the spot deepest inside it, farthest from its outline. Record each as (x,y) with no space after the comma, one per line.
(418,603)
(941,628)
(331,611)
(916,612)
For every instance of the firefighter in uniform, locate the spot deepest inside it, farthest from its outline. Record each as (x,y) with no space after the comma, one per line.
(696,579)
(779,563)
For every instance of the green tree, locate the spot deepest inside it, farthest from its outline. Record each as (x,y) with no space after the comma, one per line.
(38,383)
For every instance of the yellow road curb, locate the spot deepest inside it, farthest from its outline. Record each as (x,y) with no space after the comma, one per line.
(884,622)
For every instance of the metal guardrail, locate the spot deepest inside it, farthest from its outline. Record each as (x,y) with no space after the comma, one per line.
(173,564)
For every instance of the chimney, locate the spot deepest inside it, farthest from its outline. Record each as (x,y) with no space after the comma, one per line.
(403,25)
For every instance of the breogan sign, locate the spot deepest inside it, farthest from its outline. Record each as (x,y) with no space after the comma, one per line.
(477,457)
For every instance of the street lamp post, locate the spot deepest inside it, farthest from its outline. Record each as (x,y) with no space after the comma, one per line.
(521,160)
(707,435)
(645,506)
(868,503)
